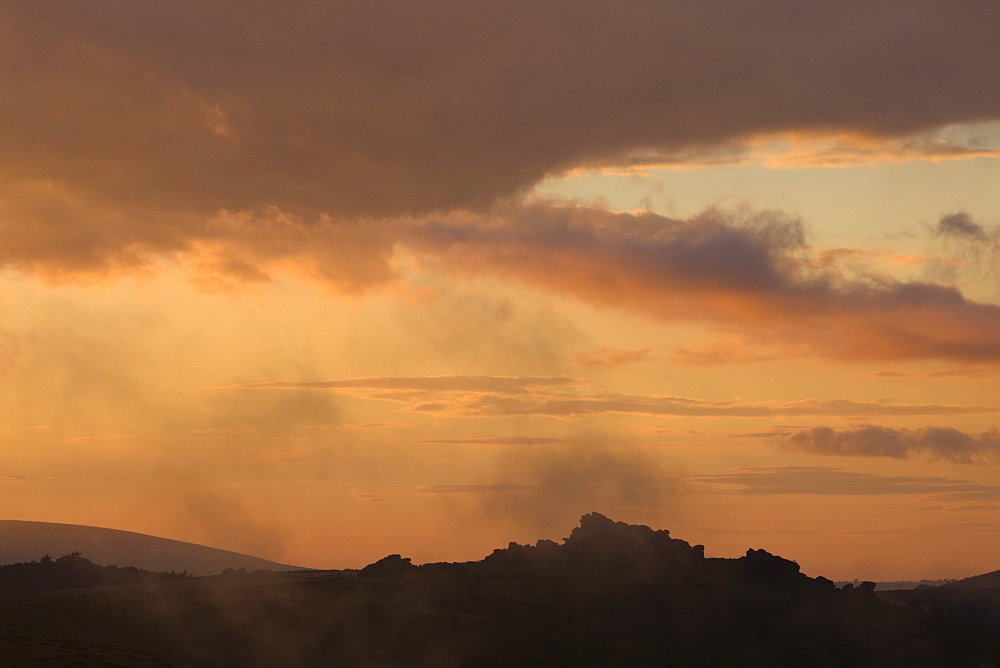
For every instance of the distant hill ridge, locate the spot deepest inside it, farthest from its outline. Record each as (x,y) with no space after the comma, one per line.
(985,581)
(22,541)
(897,585)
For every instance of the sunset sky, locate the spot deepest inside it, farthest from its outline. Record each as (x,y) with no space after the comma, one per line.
(321,281)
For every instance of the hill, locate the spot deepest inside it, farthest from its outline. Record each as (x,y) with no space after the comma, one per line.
(984,581)
(975,600)
(22,541)
(895,585)
(609,594)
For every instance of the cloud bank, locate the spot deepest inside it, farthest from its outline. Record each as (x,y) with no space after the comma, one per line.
(751,272)
(323,138)
(128,125)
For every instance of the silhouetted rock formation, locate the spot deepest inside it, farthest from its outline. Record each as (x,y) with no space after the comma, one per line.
(612,550)
(609,594)
(391,565)
(762,561)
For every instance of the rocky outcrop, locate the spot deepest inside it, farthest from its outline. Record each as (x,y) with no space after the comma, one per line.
(393,564)
(605,550)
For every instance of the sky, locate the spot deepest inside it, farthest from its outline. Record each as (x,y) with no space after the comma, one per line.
(322,281)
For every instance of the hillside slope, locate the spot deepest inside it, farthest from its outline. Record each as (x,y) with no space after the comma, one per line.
(985,581)
(28,541)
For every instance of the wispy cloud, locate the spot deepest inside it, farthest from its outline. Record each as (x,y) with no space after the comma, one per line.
(959,372)
(575,407)
(728,350)
(102,438)
(222,431)
(435,490)
(568,398)
(25,478)
(821,480)
(938,443)
(611,357)
(453,383)
(807,150)
(495,440)
(976,372)
(972,252)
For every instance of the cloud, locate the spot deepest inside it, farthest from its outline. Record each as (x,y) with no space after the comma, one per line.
(750,272)
(244,246)
(25,478)
(972,253)
(103,438)
(434,490)
(821,480)
(576,407)
(960,225)
(496,440)
(506,396)
(961,372)
(727,350)
(862,258)
(806,150)
(329,139)
(611,357)
(886,374)
(222,431)
(137,130)
(937,443)
(453,383)
(975,507)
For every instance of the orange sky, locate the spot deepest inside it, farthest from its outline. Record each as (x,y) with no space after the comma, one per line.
(322,281)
